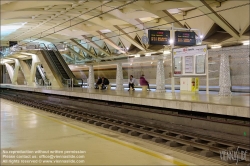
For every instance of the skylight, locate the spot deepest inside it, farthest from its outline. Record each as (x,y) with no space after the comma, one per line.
(10,28)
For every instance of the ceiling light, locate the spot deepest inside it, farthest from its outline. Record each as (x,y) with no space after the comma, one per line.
(22,56)
(147,54)
(137,55)
(171,41)
(201,36)
(215,46)
(24,53)
(246,42)
(166,52)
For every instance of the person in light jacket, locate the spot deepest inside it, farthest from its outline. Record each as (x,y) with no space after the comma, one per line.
(143,81)
(131,83)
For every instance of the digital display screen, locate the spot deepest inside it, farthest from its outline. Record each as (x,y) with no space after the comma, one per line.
(185,38)
(158,37)
(12,43)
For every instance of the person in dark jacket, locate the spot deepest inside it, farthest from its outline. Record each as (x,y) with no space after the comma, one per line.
(105,82)
(98,82)
(143,82)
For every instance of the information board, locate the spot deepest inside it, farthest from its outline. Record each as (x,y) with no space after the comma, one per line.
(189,64)
(177,65)
(192,61)
(200,64)
(184,38)
(158,37)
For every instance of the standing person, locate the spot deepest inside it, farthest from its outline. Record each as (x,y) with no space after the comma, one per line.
(105,82)
(143,81)
(131,83)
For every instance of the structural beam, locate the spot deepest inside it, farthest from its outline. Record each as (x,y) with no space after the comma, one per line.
(111,27)
(74,52)
(161,8)
(172,18)
(93,44)
(110,42)
(205,8)
(130,39)
(83,48)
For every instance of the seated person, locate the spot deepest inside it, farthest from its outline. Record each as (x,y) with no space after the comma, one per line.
(105,82)
(131,83)
(143,82)
(98,82)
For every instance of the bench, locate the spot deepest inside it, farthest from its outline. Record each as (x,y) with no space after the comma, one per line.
(144,87)
(108,87)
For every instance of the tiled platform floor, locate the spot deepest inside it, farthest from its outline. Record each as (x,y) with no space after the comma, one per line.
(28,129)
(235,105)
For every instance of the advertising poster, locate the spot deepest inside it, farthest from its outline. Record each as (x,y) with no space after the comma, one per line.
(200,64)
(177,65)
(189,64)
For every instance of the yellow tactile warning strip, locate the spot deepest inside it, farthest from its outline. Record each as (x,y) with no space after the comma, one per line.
(173,161)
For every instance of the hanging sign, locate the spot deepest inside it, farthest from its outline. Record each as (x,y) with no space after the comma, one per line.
(185,38)
(189,64)
(158,37)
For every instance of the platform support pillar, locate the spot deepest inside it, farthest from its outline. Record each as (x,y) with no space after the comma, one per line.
(10,71)
(119,77)
(91,80)
(224,79)
(172,37)
(35,61)
(160,77)
(16,71)
(26,72)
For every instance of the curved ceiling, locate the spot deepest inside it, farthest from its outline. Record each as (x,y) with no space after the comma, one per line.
(103,28)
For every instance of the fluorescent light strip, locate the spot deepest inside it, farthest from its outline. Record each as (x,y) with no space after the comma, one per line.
(215,46)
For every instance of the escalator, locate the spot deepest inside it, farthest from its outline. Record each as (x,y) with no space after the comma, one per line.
(58,64)
(56,61)
(40,76)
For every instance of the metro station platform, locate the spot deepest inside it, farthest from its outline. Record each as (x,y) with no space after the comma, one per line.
(31,135)
(235,105)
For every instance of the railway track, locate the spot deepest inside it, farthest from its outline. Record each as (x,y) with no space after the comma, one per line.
(193,143)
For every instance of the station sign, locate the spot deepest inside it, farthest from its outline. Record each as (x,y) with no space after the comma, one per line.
(185,38)
(159,37)
(189,51)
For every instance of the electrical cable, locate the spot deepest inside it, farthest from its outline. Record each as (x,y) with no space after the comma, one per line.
(67,20)
(144,23)
(82,21)
(105,13)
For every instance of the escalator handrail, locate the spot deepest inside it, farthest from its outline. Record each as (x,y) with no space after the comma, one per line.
(43,45)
